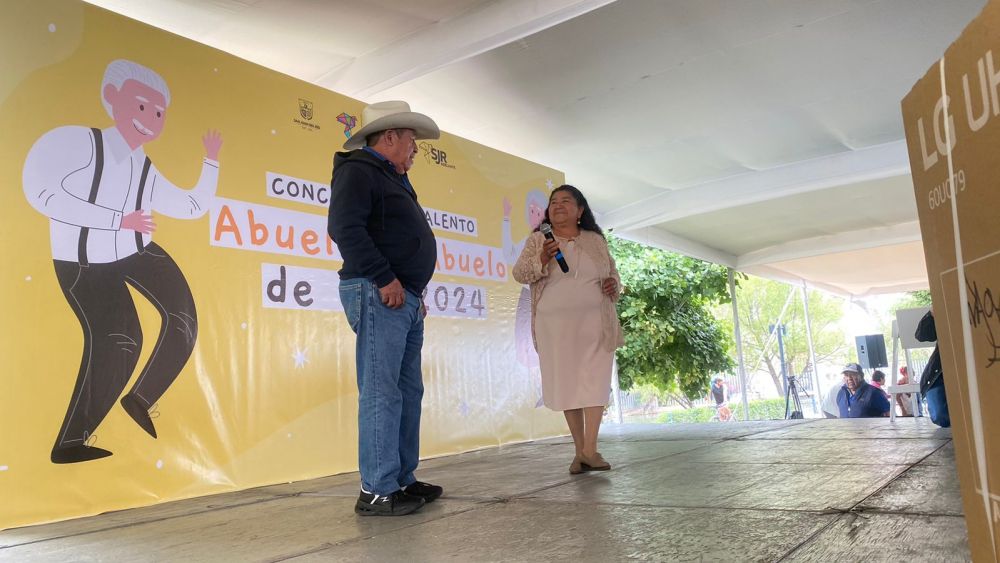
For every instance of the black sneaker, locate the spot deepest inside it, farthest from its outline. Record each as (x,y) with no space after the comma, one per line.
(426,491)
(395,504)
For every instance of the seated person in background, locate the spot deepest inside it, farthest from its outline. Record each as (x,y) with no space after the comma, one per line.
(858,399)
(721,397)
(903,399)
(878,381)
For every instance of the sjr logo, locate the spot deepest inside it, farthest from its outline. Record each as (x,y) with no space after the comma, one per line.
(435,155)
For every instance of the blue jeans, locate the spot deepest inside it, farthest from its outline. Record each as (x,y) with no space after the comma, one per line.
(390,385)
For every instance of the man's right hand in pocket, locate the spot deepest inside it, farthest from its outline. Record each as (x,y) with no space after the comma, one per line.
(393,294)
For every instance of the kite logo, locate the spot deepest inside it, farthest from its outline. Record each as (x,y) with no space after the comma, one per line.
(435,155)
(306,109)
(349,121)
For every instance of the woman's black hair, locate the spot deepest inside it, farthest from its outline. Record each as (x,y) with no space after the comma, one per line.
(587,221)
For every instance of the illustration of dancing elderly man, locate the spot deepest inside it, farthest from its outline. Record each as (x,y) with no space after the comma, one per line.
(99,190)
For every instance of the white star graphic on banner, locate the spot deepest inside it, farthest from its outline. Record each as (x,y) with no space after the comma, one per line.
(300,358)
(549,184)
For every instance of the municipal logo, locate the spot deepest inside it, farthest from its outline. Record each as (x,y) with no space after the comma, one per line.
(306,109)
(305,116)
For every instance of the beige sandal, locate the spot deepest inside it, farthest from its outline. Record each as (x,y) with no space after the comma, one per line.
(576,467)
(595,463)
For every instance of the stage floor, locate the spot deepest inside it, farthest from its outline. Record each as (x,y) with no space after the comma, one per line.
(811,490)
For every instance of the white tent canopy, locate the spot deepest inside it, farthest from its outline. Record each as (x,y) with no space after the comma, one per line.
(761,134)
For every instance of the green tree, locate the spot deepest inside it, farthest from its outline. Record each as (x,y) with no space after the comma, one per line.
(672,339)
(760,303)
(912,300)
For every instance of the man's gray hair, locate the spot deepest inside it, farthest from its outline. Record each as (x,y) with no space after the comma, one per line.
(121,70)
(372,139)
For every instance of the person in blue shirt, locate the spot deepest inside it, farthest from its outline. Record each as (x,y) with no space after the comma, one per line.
(858,399)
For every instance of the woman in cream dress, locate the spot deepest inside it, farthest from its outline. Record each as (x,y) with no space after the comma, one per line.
(574,321)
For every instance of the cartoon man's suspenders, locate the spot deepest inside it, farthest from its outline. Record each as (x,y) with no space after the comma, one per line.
(138,202)
(95,187)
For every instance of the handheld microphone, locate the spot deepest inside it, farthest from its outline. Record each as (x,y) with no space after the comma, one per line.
(546,229)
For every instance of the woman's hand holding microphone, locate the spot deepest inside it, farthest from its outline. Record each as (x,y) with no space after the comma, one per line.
(549,250)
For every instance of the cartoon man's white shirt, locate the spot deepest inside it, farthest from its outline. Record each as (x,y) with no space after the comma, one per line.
(58,177)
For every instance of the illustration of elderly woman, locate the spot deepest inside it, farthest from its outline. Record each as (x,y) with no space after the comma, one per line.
(534,210)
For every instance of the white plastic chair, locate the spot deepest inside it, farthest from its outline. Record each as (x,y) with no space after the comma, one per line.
(903,328)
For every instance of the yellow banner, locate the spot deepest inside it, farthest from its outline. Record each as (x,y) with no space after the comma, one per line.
(226,327)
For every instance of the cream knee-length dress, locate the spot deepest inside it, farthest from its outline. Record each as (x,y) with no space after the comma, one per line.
(576,368)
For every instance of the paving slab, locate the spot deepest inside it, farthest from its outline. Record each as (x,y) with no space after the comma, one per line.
(620,454)
(944,456)
(857,428)
(518,471)
(699,492)
(726,485)
(687,431)
(827,452)
(533,531)
(262,531)
(115,519)
(351,481)
(924,489)
(889,537)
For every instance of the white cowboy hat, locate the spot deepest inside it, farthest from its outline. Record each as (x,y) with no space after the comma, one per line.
(392,115)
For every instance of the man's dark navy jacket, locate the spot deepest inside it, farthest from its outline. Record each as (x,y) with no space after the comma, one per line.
(867,402)
(380,229)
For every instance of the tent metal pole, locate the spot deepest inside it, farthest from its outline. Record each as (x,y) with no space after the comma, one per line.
(739,345)
(812,350)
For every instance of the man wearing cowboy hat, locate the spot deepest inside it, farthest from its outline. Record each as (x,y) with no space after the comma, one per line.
(858,399)
(389,257)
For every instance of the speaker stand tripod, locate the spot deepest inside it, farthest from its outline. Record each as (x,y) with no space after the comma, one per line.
(792,399)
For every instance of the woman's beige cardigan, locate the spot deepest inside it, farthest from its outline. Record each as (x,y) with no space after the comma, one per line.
(529,270)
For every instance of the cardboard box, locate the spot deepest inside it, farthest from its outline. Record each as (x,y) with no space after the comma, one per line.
(952,122)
